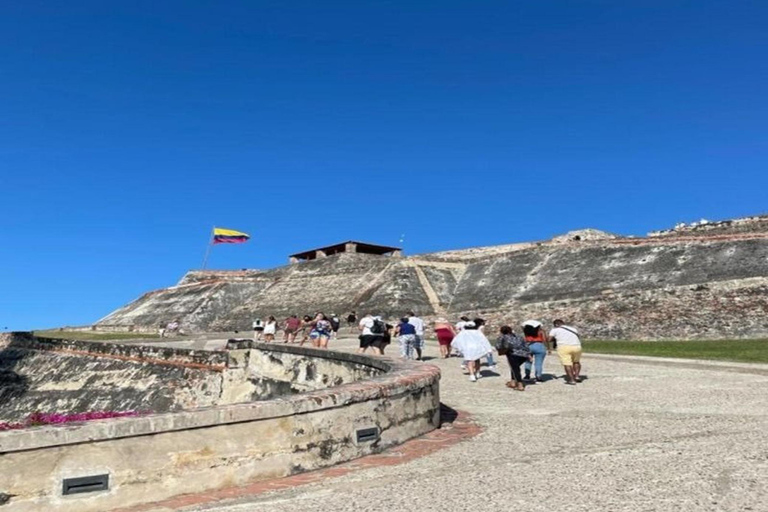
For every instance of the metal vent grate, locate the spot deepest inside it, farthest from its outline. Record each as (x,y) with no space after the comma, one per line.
(85,484)
(367,435)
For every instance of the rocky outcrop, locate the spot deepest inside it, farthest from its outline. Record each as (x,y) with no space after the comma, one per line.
(703,282)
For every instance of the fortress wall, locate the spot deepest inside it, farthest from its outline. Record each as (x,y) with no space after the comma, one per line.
(152,457)
(611,283)
(725,310)
(443,282)
(588,272)
(684,290)
(61,376)
(160,307)
(398,291)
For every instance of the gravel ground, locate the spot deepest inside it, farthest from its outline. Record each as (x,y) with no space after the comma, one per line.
(633,437)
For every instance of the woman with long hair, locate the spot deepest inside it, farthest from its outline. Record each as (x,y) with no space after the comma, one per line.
(517,352)
(305,329)
(270,328)
(538,342)
(321,331)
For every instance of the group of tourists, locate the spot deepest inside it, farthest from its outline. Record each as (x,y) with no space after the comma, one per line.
(319,329)
(376,335)
(467,338)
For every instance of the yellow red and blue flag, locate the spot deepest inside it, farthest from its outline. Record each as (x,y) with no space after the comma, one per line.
(229,236)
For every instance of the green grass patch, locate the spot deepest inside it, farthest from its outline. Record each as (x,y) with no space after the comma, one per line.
(94,335)
(745,351)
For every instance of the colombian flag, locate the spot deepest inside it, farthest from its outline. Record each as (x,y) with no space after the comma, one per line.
(229,236)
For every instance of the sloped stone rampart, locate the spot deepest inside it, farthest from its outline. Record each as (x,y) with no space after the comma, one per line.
(703,282)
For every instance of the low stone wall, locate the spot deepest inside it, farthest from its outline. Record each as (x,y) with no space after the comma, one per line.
(152,457)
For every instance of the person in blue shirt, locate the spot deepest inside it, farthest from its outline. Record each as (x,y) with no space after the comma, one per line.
(406,336)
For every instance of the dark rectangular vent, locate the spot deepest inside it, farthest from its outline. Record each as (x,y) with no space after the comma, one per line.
(85,484)
(367,435)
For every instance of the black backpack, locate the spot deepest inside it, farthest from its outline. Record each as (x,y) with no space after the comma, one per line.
(378,327)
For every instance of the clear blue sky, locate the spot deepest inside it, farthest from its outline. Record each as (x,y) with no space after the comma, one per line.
(130,128)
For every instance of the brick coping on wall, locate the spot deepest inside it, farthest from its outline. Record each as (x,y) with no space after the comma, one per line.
(399,377)
(457,426)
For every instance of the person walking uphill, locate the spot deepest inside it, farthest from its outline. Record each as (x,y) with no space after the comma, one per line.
(539,344)
(406,336)
(473,345)
(373,333)
(445,334)
(418,324)
(517,352)
(568,349)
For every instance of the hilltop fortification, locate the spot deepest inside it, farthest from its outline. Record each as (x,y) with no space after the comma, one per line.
(708,280)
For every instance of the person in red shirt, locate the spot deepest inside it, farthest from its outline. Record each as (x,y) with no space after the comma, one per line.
(291,328)
(538,342)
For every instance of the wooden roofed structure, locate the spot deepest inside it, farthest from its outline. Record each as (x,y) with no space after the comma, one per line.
(348,246)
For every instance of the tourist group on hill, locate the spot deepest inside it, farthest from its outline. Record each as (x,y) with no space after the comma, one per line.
(319,329)
(467,339)
(524,353)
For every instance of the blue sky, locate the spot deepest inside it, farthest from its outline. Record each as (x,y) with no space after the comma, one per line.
(130,128)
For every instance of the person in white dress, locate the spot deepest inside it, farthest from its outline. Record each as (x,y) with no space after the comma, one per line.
(473,345)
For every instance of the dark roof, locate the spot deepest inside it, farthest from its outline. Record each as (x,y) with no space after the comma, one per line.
(362,247)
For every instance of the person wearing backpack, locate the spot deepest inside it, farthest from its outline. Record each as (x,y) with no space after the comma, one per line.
(568,349)
(372,332)
(335,324)
(517,351)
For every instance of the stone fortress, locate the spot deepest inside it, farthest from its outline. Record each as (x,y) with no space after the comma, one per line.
(705,280)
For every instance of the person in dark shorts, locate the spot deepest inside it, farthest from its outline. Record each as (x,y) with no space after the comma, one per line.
(352,321)
(306,327)
(372,334)
(258,329)
(291,328)
(517,351)
(335,324)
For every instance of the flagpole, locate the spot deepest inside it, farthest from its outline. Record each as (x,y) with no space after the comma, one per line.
(208,249)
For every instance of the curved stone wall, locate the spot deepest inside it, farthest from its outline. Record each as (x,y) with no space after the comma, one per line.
(339,407)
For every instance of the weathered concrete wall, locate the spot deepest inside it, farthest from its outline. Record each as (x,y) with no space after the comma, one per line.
(693,289)
(153,457)
(62,376)
(679,284)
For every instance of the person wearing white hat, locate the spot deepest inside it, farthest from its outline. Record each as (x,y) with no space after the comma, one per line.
(538,342)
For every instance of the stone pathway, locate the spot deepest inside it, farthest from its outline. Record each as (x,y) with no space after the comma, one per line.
(633,437)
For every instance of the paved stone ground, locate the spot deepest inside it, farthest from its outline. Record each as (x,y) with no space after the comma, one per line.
(635,436)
